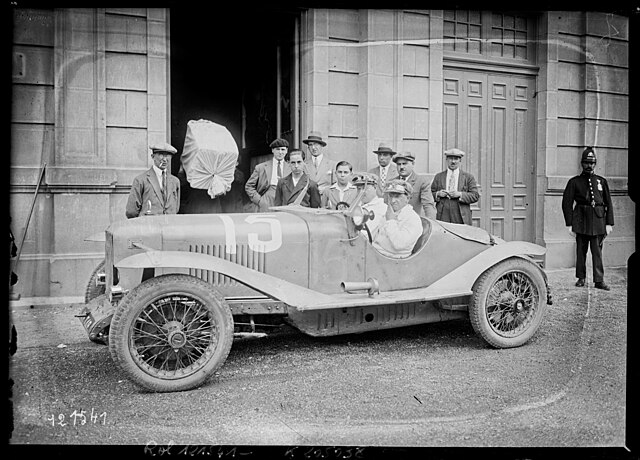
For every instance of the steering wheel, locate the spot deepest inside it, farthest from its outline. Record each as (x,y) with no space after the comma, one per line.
(366,227)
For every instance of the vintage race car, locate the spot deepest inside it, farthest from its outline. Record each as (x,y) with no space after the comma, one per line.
(174,290)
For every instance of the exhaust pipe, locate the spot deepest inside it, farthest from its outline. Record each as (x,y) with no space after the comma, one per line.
(371,286)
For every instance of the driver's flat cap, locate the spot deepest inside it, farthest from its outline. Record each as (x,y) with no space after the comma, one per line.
(361,179)
(163,147)
(399,186)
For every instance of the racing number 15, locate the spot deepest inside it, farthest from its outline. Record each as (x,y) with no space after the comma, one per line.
(255,243)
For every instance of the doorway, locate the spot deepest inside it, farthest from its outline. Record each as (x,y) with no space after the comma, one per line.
(491,117)
(237,68)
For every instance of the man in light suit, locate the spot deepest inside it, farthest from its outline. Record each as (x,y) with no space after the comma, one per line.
(297,187)
(386,169)
(155,191)
(454,191)
(420,198)
(261,186)
(343,192)
(318,165)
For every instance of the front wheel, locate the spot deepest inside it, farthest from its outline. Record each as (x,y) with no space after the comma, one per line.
(171,333)
(508,303)
(94,290)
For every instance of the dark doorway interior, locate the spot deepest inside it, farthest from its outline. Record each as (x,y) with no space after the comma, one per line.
(226,67)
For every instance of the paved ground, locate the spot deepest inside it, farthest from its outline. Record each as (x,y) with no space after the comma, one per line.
(434,385)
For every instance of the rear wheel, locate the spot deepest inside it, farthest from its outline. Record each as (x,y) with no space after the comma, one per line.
(508,303)
(171,333)
(93,290)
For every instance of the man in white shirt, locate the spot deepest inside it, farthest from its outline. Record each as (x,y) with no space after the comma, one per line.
(454,190)
(371,201)
(261,186)
(386,169)
(403,226)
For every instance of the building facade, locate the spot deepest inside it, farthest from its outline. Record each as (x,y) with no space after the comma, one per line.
(522,94)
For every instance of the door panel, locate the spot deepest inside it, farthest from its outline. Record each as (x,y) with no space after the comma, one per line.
(491,117)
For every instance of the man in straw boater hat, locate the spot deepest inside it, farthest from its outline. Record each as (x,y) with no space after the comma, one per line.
(297,187)
(454,190)
(591,219)
(155,191)
(319,166)
(402,227)
(386,169)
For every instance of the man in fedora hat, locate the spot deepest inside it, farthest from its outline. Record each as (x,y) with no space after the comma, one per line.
(454,190)
(421,198)
(386,169)
(591,219)
(402,227)
(261,186)
(318,165)
(155,191)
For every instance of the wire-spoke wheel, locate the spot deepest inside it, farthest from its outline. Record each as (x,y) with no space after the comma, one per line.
(508,303)
(171,333)
(93,290)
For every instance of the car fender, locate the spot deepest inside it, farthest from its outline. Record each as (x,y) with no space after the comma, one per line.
(464,277)
(279,289)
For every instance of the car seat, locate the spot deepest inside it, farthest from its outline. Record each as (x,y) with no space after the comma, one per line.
(422,239)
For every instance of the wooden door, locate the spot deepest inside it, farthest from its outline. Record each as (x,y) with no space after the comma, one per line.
(491,117)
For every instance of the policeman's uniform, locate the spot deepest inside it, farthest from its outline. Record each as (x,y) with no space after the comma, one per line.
(592,212)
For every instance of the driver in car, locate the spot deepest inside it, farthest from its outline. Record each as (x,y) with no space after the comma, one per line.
(403,226)
(370,200)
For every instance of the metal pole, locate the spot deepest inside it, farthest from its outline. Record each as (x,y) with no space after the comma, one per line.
(33,203)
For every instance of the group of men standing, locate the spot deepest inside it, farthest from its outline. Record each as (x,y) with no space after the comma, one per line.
(392,190)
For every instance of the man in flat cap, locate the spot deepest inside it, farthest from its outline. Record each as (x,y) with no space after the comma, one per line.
(155,191)
(386,169)
(368,183)
(318,166)
(261,186)
(402,227)
(591,219)
(421,198)
(454,190)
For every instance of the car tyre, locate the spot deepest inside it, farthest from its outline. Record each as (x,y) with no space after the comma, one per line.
(92,291)
(171,333)
(508,303)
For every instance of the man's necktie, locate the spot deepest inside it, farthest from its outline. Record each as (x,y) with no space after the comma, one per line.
(164,185)
(315,162)
(452,183)
(383,176)
(279,169)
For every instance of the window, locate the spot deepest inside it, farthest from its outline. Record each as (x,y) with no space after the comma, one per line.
(489,34)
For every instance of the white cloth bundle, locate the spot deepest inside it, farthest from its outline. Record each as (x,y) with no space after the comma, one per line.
(209,157)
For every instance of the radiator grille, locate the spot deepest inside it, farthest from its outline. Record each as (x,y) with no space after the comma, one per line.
(243,256)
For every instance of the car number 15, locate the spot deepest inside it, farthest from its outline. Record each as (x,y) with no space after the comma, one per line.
(255,243)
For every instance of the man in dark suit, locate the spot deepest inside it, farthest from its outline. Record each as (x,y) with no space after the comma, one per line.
(421,198)
(591,220)
(454,190)
(297,187)
(155,191)
(261,186)
(386,169)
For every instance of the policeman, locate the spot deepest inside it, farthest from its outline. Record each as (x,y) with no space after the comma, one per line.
(591,220)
